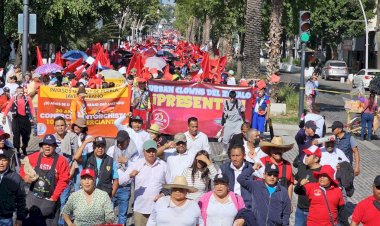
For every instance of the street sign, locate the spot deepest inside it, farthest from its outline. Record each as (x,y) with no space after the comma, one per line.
(32,23)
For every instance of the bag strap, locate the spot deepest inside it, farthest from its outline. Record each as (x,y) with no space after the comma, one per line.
(328,206)
(283,176)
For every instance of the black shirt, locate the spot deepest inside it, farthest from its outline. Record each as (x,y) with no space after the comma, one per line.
(303,170)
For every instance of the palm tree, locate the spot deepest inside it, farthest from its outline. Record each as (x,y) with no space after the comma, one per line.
(252,42)
(274,41)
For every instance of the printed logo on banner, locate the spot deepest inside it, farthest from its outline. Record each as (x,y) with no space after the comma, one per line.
(161,118)
(41,129)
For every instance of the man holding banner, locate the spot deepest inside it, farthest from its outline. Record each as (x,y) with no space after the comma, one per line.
(78,106)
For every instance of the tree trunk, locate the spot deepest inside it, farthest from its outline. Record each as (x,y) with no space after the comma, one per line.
(206,30)
(5,48)
(334,52)
(274,41)
(252,44)
(378,35)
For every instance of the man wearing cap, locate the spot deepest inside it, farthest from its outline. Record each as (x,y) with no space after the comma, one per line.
(22,110)
(107,177)
(367,211)
(196,140)
(270,201)
(332,155)
(140,100)
(320,193)
(181,158)
(305,170)
(305,137)
(53,177)
(78,106)
(313,115)
(12,193)
(345,142)
(137,134)
(149,174)
(124,153)
(231,81)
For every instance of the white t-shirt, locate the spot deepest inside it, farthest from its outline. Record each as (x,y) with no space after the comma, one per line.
(333,158)
(231,81)
(220,214)
(319,121)
(12,88)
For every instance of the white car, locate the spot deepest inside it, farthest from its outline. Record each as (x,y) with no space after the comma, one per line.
(366,76)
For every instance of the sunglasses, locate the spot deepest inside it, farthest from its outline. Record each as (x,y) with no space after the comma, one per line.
(272,174)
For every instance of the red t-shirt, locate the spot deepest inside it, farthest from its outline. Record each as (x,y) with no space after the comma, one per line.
(318,212)
(366,213)
(288,167)
(62,171)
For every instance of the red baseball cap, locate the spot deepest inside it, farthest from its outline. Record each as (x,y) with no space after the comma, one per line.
(87,172)
(4,134)
(313,150)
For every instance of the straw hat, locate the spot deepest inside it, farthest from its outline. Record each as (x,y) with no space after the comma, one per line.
(80,122)
(180,182)
(276,143)
(154,128)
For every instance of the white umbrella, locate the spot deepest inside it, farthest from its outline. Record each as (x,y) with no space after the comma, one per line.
(111,74)
(155,62)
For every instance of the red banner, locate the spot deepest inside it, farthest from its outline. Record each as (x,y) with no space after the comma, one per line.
(55,101)
(174,102)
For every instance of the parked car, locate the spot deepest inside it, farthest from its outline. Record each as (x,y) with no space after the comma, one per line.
(366,76)
(335,69)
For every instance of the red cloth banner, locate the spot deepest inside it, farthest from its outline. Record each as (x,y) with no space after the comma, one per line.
(174,102)
(55,101)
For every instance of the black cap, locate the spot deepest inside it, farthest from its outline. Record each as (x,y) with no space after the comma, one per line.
(271,168)
(49,140)
(377,181)
(122,136)
(336,124)
(221,178)
(100,141)
(311,124)
(7,153)
(137,119)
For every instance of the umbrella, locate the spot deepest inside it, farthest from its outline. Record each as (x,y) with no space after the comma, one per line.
(74,55)
(111,74)
(48,68)
(155,62)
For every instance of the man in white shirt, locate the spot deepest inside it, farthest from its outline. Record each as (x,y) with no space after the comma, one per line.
(12,85)
(124,154)
(181,158)
(150,174)
(135,131)
(196,140)
(332,156)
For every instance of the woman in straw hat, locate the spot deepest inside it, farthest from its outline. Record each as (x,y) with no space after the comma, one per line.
(176,209)
(275,149)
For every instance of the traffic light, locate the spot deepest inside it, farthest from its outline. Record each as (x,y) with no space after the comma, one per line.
(305,26)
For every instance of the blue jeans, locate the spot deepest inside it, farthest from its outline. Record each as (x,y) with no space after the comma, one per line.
(367,119)
(121,199)
(6,222)
(63,199)
(300,217)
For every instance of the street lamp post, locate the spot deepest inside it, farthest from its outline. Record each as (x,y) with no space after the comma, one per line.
(366,34)
(25,36)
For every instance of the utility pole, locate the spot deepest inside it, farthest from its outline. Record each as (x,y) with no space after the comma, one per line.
(25,36)
(366,34)
(302,81)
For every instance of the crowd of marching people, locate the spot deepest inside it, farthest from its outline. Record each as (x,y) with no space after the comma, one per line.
(77,179)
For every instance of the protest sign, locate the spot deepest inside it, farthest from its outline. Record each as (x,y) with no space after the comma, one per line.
(174,102)
(55,101)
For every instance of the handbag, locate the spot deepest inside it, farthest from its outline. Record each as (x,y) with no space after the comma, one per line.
(328,206)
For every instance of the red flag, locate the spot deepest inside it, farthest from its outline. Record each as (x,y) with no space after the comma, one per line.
(139,65)
(205,66)
(132,62)
(78,72)
(39,57)
(58,59)
(72,67)
(222,64)
(91,71)
(102,58)
(167,75)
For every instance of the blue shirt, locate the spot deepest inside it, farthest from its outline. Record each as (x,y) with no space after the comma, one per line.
(271,189)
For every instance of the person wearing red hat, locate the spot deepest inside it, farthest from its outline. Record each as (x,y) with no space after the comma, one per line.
(140,100)
(305,170)
(325,197)
(90,205)
(260,111)
(367,211)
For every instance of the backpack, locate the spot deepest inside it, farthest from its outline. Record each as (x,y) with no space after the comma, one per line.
(345,175)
